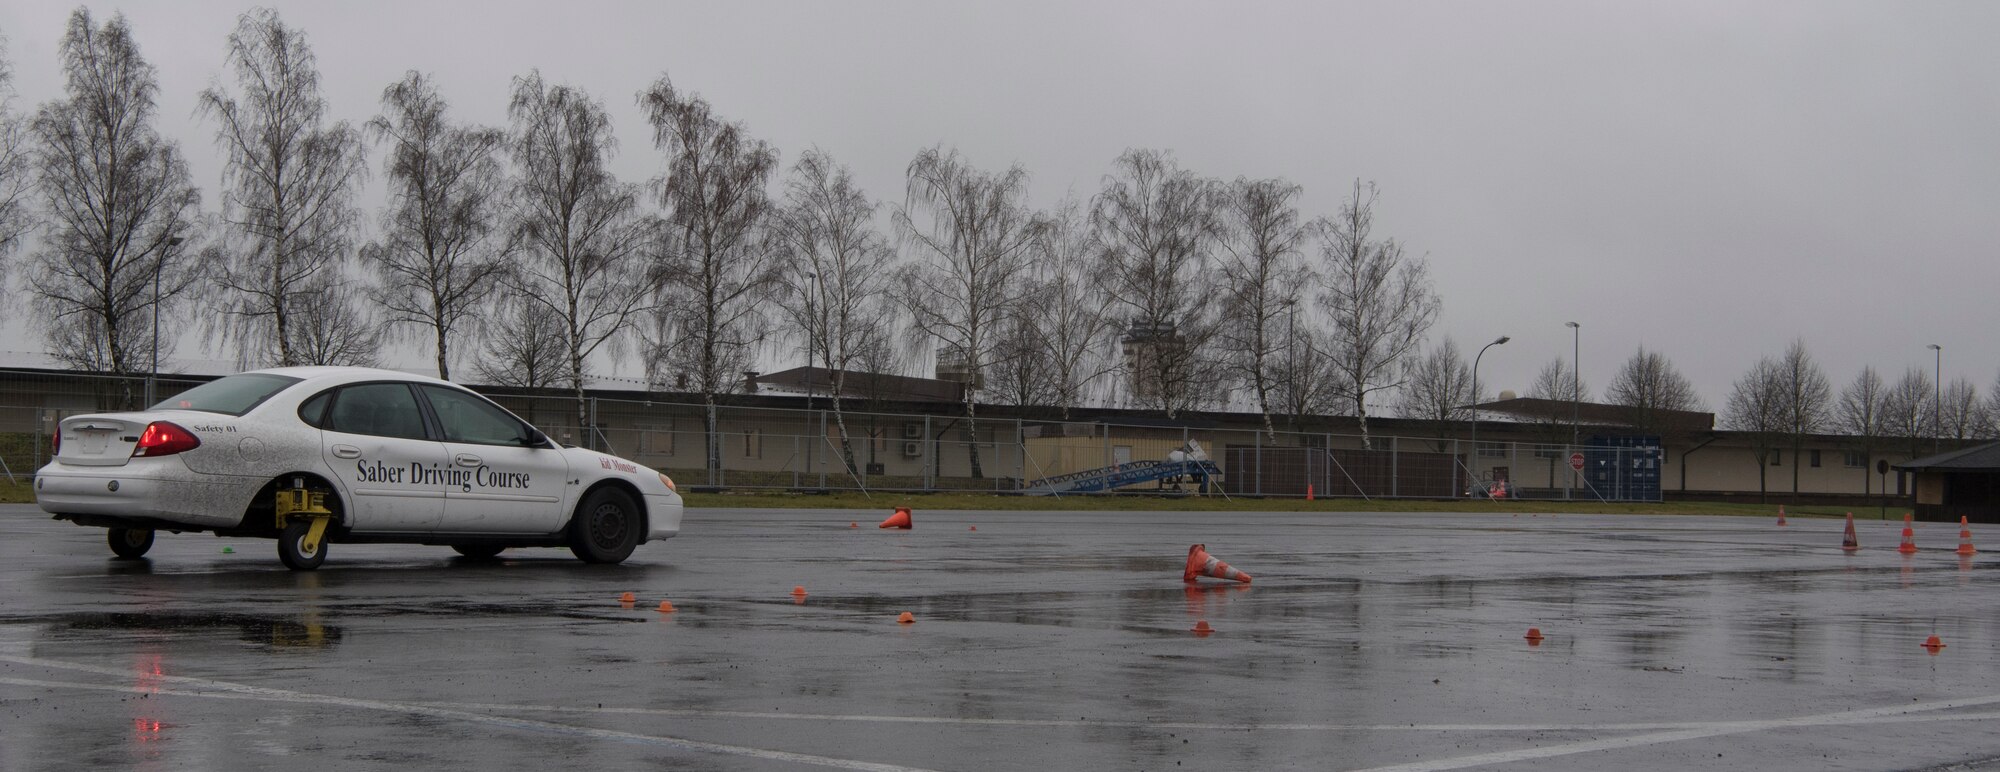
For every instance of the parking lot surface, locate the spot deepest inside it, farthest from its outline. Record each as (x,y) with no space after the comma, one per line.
(1040,641)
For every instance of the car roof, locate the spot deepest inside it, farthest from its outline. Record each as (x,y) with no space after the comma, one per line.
(334,375)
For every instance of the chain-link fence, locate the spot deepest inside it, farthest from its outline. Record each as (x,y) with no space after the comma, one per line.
(742,447)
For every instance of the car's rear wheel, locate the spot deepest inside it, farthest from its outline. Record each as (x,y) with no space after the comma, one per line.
(292,543)
(606,526)
(478,551)
(130,543)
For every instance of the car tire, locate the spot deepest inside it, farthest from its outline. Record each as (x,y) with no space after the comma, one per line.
(606,526)
(478,551)
(290,542)
(130,543)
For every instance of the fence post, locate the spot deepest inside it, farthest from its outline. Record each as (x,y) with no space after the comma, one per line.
(1021,456)
(1259,462)
(711,446)
(819,439)
(1395,473)
(793,462)
(930,456)
(1455,488)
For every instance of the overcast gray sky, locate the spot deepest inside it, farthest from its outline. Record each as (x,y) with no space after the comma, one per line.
(1708,179)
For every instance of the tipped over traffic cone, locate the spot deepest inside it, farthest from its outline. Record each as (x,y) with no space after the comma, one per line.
(1909,544)
(1848,541)
(899,520)
(1965,537)
(1933,643)
(1200,563)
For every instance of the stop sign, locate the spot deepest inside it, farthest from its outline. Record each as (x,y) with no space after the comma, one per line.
(1576,461)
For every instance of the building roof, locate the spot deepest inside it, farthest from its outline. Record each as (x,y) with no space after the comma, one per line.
(1595,413)
(858,385)
(1978,458)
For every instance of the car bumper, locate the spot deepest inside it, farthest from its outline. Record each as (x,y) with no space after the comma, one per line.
(663,516)
(161,489)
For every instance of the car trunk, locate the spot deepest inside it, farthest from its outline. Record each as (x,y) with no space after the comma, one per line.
(99,440)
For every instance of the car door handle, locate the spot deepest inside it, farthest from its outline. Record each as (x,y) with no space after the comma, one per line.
(466,459)
(346,451)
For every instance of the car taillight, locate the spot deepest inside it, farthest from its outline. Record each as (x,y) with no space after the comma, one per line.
(55,443)
(164,439)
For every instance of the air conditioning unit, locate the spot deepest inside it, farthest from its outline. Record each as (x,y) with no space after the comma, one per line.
(913,449)
(913,431)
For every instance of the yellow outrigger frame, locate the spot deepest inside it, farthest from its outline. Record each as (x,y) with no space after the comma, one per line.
(297,501)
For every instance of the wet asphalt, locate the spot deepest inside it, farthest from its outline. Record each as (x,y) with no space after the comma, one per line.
(1041,641)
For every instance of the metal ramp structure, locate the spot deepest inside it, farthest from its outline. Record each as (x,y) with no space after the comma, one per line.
(1119,476)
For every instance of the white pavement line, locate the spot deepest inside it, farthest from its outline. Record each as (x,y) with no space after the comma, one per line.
(226,690)
(1176,725)
(1899,713)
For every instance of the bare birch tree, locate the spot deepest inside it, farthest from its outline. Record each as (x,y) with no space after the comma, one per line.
(1303,377)
(524,344)
(119,201)
(1807,398)
(1861,414)
(575,228)
(1066,313)
(1379,300)
(713,277)
(1908,414)
(439,258)
(331,326)
(1439,390)
(836,275)
(1653,393)
(1263,277)
(1757,407)
(1557,382)
(289,175)
(17,170)
(1156,226)
(968,234)
(1960,412)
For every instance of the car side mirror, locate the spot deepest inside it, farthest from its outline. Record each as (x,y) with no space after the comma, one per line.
(536,439)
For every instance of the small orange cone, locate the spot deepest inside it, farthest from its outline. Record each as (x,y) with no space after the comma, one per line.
(899,520)
(799,590)
(1309,491)
(1534,636)
(973,528)
(1909,544)
(1848,541)
(1200,563)
(1965,537)
(1933,643)
(854,525)
(628,598)
(1781,515)
(667,607)
(906,618)
(1201,628)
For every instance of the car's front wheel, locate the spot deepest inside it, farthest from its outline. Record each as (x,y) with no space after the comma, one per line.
(292,546)
(606,526)
(130,543)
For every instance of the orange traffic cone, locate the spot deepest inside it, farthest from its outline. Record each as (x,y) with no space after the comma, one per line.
(1847,541)
(1909,544)
(1534,636)
(1309,491)
(1202,628)
(899,520)
(1200,563)
(1965,537)
(1781,515)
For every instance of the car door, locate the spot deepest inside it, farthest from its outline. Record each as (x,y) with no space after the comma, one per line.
(394,472)
(517,479)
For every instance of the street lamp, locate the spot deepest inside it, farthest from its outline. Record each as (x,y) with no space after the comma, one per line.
(153,377)
(1937,402)
(1475,403)
(1576,377)
(812,333)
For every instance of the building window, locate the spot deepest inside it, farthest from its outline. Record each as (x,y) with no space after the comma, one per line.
(1549,451)
(753,443)
(656,439)
(1777,458)
(1493,449)
(1854,459)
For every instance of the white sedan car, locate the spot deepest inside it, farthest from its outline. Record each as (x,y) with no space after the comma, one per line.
(312,455)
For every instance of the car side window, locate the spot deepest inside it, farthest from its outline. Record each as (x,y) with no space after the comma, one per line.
(467,418)
(313,410)
(380,409)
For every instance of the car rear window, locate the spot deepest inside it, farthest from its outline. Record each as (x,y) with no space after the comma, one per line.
(234,395)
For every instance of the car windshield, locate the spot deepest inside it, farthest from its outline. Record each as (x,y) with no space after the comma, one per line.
(234,395)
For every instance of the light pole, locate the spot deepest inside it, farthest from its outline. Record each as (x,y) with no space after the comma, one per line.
(812,334)
(1475,403)
(153,375)
(1576,378)
(1937,402)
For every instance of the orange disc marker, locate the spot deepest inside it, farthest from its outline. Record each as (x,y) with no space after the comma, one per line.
(667,607)
(799,589)
(906,618)
(1534,634)
(854,525)
(628,598)
(1201,628)
(973,528)
(1933,643)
